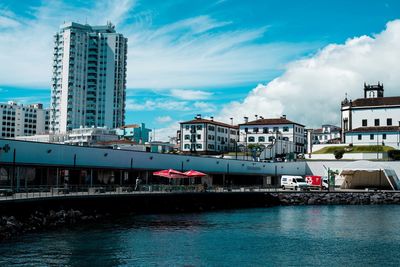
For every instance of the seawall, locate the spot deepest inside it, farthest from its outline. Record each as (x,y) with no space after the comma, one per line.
(25,215)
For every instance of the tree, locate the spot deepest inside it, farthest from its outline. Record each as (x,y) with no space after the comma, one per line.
(338,153)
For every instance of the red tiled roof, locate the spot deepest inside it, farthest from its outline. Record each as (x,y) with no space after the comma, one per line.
(379,101)
(375,129)
(333,130)
(210,122)
(271,122)
(130,126)
(121,141)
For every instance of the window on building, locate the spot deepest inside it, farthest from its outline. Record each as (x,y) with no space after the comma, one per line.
(346,124)
(376,122)
(255,130)
(199,146)
(359,137)
(211,128)
(187,137)
(261,139)
(187,146)
(271,138)
(275,129)
(371,137)
(199,127)
(389,122)
(384,136)
(364,123)
(286,129)
(251,139)
(246,130)
(187,127)
(199,136)
(265,130)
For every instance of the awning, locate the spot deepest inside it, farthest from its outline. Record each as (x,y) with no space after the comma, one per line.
(170,174)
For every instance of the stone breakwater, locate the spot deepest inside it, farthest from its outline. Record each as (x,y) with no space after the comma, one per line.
(339,198)
(12,226)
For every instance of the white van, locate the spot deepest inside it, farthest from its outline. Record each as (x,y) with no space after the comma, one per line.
(294,182)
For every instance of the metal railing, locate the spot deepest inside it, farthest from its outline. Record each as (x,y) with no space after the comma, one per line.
(7,193)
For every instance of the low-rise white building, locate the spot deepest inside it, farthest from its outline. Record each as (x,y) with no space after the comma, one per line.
(79,137)
(206,136)
(23,120)
(372,120)
(326,134)
(288,134)
(90,136)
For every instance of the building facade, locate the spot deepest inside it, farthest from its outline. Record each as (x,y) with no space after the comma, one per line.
(206,136)
(90,136)
(326,134)
(372,120)
(23,120)
(89,77)
(273,131)
(134,132)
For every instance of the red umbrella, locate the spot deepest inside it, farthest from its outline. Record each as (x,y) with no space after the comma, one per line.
(170,174)
(193,173)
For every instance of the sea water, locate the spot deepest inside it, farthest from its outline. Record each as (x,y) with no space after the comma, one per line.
(277,236)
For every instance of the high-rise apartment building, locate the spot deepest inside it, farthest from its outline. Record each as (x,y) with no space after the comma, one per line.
(89,77)
(19,120)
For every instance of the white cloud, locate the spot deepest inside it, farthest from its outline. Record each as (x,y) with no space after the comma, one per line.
(27,46)
(163,119)
(187,54)
(165,133)
(163,104)
(190,94)
(6,22)
(183,54)
(204,107)
(310,90)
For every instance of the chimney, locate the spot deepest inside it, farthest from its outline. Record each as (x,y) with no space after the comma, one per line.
(261,117)
(256,116)
(198,117)
(283,116)
(246,119)
(231,121)
(212,118)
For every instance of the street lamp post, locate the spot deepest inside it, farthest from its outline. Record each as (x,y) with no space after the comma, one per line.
(236,148)
(377,146)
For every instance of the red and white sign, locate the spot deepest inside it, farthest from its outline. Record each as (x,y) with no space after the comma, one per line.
(314,180)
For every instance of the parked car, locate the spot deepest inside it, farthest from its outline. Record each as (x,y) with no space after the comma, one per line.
(294,182)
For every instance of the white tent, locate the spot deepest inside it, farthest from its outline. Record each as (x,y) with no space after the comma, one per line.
(369,174)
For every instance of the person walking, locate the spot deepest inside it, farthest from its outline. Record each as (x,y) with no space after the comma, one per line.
(137,184)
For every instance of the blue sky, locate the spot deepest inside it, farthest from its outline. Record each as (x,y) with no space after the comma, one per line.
(208,57)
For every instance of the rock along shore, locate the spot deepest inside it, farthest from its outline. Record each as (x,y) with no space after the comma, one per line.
(337,198)
(13,226)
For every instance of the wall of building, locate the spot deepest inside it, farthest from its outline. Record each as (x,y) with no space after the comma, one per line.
(370,114)
(207,137)
(23,120)
(388,138)
(89,77)
(291,132)
(44,154)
